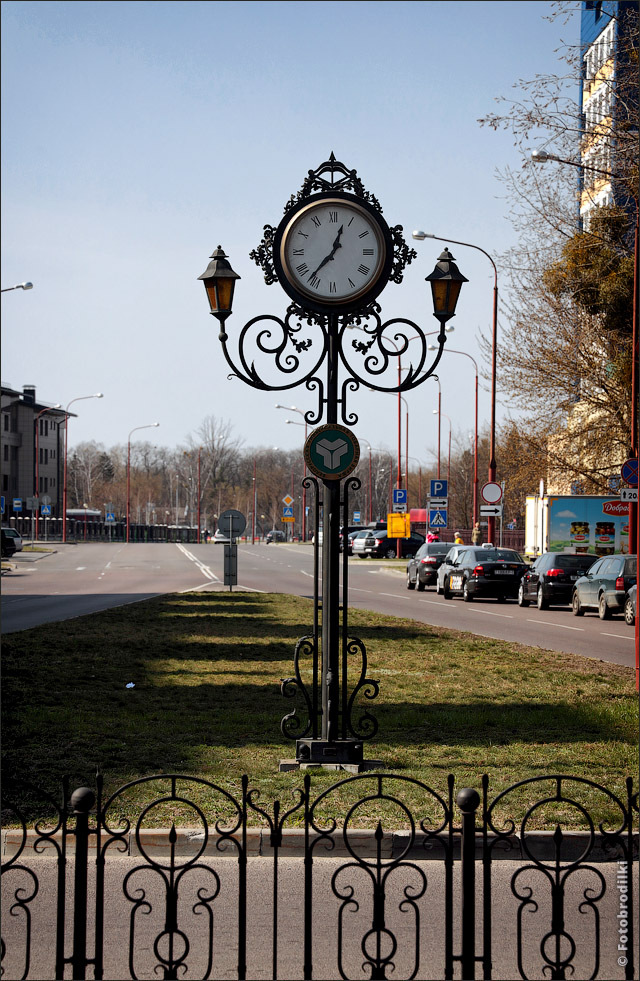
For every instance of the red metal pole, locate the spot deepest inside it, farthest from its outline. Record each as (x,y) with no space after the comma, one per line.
(199,453)
(475,463)
(439,425)
(370,485)
(64,479)
(129,484)
(253,524)
(492,451)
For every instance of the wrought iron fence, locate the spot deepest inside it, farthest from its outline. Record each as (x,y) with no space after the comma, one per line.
(376,876)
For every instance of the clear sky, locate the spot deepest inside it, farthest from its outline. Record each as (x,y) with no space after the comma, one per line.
(139,136)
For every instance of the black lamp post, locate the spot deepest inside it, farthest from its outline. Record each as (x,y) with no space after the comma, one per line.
(332,253)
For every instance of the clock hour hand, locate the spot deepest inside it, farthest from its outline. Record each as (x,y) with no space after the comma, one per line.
(328,258)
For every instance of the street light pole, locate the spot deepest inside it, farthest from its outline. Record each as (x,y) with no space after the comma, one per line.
(292,408)
(80,398)
(150,425)
(420,236)
(450,350)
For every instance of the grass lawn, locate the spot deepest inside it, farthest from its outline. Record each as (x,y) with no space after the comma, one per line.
(207,668)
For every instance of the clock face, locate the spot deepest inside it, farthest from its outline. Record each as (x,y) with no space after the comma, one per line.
(333,251)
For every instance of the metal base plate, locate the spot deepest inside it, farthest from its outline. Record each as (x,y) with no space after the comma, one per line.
(286,765)
(329,751)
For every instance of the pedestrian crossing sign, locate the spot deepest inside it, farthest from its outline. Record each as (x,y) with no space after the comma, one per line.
(438,518)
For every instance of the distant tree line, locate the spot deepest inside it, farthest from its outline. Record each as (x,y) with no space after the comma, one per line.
(165,486)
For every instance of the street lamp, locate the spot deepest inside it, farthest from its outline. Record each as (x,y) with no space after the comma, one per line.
(151,425)
(450,350)
(420,236)
(437,412)
(198,507)
(293,408)
(36,492)
(219,282)
(80,398)
(18,286)
(332,253)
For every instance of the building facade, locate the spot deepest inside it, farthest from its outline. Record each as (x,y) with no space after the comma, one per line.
(606,40)
(31,452)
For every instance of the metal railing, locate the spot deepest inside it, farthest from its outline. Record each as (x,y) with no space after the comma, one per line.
(376,876)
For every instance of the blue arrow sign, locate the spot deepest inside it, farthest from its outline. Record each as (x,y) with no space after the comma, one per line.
(439,488)
(438,518)
(399,495)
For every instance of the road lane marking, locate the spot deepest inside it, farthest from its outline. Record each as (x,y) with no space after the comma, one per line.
(395,596)
(564,626)
(617,636)
(488,613)
(205,570)
(354,589)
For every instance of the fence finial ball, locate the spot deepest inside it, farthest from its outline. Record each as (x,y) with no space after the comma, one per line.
(468,799)
(82,800)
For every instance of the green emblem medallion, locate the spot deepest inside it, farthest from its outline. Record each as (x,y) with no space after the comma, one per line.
(331,452)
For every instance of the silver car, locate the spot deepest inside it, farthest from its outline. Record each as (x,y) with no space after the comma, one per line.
(15,538)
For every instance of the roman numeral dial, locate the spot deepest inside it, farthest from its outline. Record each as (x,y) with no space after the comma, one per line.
(333,251)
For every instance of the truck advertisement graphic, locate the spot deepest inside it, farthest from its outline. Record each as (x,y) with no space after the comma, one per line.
(598,525)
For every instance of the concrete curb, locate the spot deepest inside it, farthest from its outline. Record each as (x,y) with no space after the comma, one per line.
(190,843)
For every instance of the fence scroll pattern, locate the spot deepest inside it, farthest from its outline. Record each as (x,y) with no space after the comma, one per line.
(390,879)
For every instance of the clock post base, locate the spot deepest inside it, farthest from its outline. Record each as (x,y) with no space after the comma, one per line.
(335,754)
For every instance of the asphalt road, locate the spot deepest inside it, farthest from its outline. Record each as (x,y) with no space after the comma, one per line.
(417,926)
(86,578)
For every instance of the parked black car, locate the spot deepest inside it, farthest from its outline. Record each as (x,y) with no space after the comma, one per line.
(275,535)
(8,545)
(345,532)
(551,578)
(422,569)
(606,586)
(378,545)
(484,572)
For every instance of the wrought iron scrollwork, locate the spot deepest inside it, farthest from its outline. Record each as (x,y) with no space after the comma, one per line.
(291,724)
(381,892)
(547,883)
(367,725)
(167,892)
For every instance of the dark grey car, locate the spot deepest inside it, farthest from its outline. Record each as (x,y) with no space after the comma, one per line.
(606,586)
(422,569)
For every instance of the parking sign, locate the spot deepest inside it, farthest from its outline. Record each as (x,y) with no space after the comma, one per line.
(439,488)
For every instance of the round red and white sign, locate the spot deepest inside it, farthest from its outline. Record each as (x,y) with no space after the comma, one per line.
(491,493)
